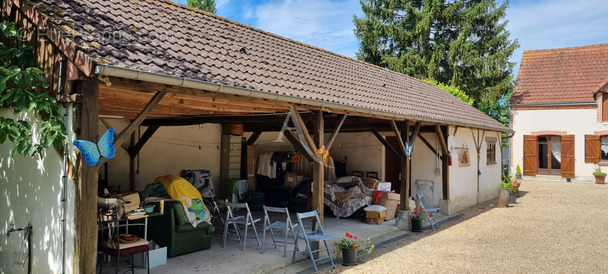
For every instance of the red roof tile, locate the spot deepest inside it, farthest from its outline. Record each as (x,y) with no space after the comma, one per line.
(163,37)
(561,75)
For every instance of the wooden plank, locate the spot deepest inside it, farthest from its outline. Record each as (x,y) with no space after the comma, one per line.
(254,137)
(85,219)
(385,143)
(442,140)
(334,133)
(567,168)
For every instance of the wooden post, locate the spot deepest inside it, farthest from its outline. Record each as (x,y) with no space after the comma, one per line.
(85,219)
(318,172)
(405,169)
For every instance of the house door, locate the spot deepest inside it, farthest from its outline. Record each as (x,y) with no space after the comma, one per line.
(549,154)
(392,166)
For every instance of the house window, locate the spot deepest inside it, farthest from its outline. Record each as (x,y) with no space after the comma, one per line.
(491,150)
(604,148)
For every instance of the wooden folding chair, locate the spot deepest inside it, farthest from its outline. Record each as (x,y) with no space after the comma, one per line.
(316,235)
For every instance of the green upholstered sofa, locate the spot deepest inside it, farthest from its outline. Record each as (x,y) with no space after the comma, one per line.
(173,230)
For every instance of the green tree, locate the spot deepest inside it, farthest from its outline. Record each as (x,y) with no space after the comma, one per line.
(452,90)
(206,5)
(461,43)
(21,87)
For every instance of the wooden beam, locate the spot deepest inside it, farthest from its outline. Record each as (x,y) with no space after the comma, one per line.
(132,164)
(442,140)
(414,134)
(254,137)
(445,166)
(142,115)
(143,140)
(334,133)
(426,142)
(318,169)
(398,134)
(301,127)
(85,219)
(385,143)
(299,146)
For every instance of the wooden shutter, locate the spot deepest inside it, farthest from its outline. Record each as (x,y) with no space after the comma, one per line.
(592,149)
(568,156)
(530,155)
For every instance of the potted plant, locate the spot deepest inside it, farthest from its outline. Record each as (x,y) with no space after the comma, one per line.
(600,176)
(518,172)
(417,216)
(350,245)
(568,179)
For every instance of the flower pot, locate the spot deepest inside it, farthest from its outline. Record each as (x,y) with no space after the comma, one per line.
(512,198)
(349,256)
(416,225)
(599,179)
(568,180)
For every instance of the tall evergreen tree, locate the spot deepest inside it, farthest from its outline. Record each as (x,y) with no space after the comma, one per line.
(206,5)
(462,43)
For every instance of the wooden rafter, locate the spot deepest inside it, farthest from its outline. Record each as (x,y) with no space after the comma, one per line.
(133,151)
(442,141)
(295,141)
(254,137)
(399,137)
(334,133)
(426,142)
(385,143)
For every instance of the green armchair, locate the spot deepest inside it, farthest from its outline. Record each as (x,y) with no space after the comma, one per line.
(175,232)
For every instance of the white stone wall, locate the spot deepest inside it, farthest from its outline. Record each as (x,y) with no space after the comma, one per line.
(31,189)
(578,122)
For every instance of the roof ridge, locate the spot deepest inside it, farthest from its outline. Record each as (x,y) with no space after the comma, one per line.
(567,48)
(284,37)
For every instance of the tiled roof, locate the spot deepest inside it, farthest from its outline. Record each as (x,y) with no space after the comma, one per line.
(561,75)
(163,37)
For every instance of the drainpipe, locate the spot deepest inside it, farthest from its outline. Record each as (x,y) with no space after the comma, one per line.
(64,171)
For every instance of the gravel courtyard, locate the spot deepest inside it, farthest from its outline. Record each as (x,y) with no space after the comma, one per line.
(555,227)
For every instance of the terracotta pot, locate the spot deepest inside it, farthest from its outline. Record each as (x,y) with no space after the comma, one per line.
(599,179)
(349,256)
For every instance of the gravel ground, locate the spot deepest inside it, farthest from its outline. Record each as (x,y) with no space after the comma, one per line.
(555,227)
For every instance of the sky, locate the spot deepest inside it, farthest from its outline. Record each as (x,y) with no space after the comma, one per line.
(328,24)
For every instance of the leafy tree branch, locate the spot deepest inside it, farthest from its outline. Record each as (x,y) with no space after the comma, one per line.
(21,87)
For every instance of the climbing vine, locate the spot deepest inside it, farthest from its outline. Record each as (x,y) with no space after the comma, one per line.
(21,87)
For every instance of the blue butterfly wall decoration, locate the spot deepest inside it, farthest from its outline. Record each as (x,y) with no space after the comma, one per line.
(408,149)
(92,152)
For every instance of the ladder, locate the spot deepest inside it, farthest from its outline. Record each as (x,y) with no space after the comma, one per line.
(425,207)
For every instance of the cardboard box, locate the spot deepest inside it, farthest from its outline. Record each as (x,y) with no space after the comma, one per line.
(376,217)
(131,201)
(390,200)
(158,257)
(291,180)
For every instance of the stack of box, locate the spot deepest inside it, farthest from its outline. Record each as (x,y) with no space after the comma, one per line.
(375,214)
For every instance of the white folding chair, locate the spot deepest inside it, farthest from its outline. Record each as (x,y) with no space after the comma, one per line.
(286,226)
(246,220)
(316,235)
(425,206)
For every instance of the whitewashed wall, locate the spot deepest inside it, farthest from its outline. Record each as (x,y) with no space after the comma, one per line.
(170,150)
(463,179)
(31,189)
(574,121)
(424,163)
